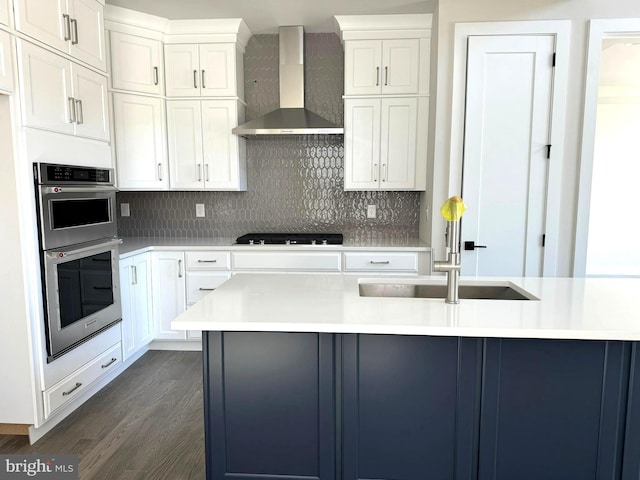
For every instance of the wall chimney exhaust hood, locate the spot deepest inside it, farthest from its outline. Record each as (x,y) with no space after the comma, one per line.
(291,118)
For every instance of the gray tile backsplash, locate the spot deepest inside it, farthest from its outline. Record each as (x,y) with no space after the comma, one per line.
(295,183)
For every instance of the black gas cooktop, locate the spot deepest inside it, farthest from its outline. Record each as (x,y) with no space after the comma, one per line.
(290,239)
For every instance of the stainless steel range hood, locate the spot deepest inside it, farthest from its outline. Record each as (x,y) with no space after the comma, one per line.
(291,118)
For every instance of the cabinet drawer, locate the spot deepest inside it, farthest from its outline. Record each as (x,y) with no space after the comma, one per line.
(200,284)
(208,260)
(287,261)
(70,387)
(380,262)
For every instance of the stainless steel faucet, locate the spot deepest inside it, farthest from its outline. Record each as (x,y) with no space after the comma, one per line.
(452,265)
(452,210)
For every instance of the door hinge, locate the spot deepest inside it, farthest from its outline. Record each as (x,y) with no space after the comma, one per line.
(544,238)
(548,151)
(553,59)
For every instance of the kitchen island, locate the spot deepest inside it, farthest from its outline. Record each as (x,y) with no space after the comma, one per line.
(304,378)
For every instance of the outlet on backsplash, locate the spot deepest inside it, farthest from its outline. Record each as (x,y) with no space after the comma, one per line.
(372,211)
(124,210)
(200,210)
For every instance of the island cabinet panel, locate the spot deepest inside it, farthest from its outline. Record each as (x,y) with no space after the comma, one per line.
(409,407)
(631,462)
(553,409)
(269,405)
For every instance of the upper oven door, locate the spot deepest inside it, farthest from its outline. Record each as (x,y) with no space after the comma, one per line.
(72,215)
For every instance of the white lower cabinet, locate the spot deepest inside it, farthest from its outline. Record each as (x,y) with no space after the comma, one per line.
(381,262)
(6,62)
(137,312)
(70,387)
(141,158)
(169,293)
(278,261)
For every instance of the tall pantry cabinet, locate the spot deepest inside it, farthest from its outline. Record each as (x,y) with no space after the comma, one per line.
(386,100)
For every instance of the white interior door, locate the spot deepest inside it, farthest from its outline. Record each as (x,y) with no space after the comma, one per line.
(508,110)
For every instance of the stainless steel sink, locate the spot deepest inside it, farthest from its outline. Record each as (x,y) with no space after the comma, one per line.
(476,292)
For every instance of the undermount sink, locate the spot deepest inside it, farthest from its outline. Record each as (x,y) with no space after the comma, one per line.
(496,291)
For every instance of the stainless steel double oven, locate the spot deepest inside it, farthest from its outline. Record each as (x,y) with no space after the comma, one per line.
(79,253)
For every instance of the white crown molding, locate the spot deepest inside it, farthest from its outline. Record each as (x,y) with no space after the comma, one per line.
(226,30)
(363,27)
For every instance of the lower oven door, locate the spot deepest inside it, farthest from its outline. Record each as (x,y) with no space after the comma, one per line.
(82,293)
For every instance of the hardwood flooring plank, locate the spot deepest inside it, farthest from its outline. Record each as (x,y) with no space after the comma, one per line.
(146,424)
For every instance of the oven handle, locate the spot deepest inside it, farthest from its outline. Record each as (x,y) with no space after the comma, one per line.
(96,189)
(99,246)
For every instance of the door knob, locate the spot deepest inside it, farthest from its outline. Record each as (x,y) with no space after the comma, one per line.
(472,246)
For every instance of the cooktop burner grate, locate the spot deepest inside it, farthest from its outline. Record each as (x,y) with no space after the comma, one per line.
(290,239)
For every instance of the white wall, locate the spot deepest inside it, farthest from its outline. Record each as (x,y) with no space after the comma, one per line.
(579,12)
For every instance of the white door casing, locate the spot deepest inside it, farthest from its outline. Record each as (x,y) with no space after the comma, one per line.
(509,81)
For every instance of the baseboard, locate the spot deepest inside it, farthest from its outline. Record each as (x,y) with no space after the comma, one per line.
(180,345)
(14,429)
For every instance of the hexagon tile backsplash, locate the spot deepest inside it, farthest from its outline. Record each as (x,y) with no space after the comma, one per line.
(294,183)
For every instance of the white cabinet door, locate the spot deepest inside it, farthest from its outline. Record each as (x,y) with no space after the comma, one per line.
(47,94)
(184,129)
(182,70)
(362,144)
(398,143)
(217,70)
(90,94)
(140,137)
(4,12)
(168,286)
(43,20)
(71,26)
(6,63)
(136,63)
(400,66)
(363,60)
(201,70)
(87,32)
(374,67)
(137,313)
(223,164)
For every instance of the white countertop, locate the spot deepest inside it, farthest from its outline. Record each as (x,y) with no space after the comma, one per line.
(135,245)
(569,308)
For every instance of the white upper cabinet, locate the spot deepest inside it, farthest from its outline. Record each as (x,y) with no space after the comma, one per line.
(384,67)
(4,12)
(61,96)
(136,64)
(207,70)
(140,138)
(203,153)
(75,27)
(6,63)
(380,143)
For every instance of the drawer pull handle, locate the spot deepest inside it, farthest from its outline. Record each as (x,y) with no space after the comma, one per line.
(372,262)
(111,362)
(78,385)
(206,289)
(207,261)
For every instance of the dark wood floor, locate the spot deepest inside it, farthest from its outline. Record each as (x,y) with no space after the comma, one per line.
(146,424)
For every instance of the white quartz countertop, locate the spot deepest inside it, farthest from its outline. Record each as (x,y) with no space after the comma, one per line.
(134,245)
(569,308)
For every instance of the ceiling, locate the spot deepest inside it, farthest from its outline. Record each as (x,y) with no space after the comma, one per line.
(265,16)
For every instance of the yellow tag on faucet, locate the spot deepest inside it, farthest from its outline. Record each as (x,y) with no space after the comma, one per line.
(453,209)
